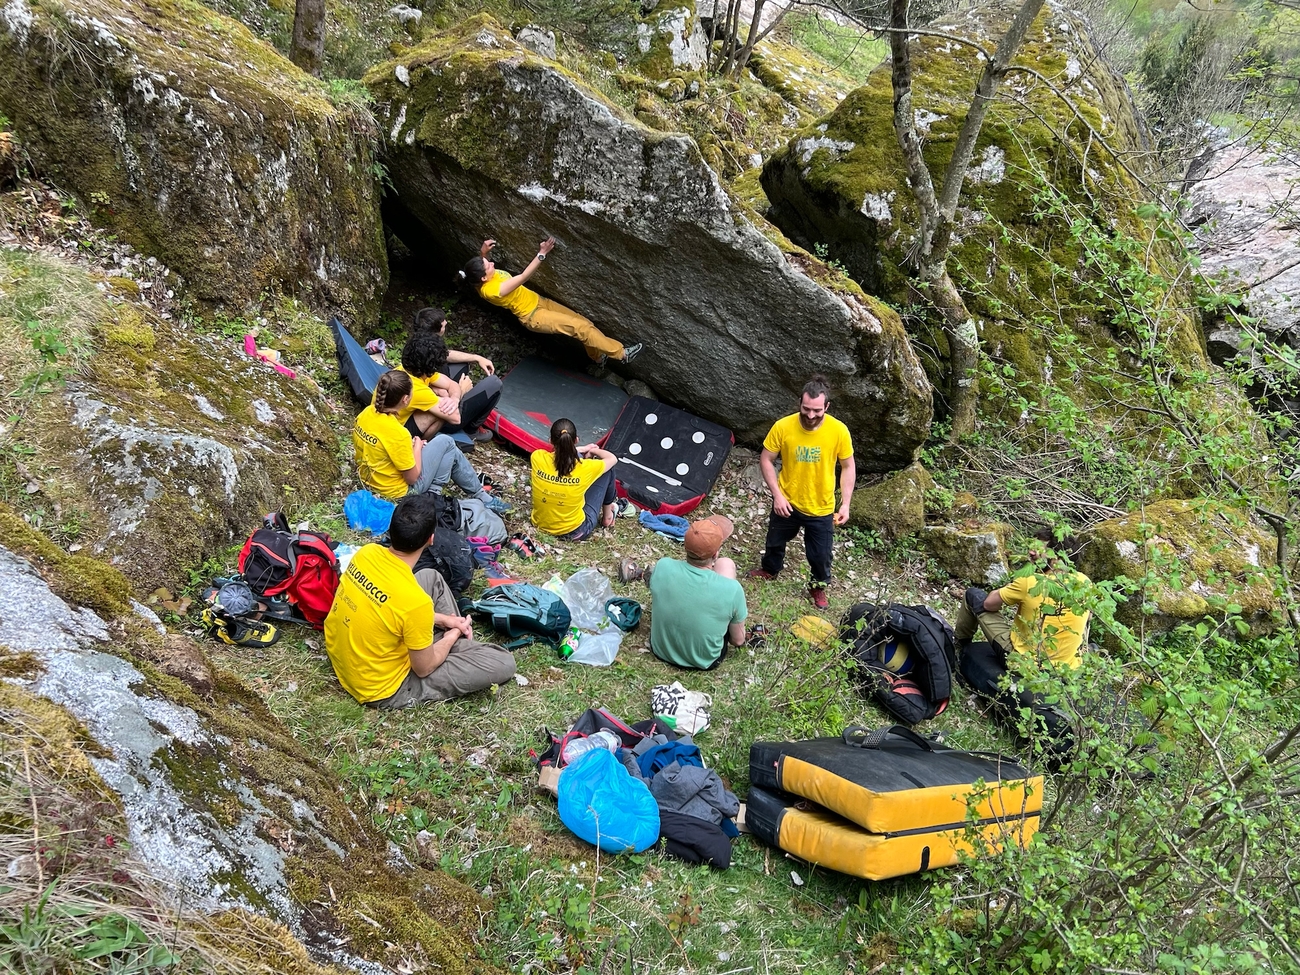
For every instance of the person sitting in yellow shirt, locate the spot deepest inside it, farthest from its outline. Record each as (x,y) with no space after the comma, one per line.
(1046,630)
(573,487)
(392,464)
(809,444)
(536,313)
(438,402)
(394,636)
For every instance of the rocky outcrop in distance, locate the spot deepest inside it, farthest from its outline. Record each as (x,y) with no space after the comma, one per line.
(483,138)
(200,145)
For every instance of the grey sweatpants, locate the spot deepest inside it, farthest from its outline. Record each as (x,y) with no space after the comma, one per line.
(470,666)
(441,461)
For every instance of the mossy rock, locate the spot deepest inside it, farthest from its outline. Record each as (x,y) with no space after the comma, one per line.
(199,144)
(896,506)
(973,553)
(669,41)
(1192,560)
(171,449)
(840,183)
(222,806)
(483,137)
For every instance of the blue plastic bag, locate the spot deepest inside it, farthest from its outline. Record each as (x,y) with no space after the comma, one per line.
(367,513)
(602,804)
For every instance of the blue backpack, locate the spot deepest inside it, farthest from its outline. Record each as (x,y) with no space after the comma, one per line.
(523,612)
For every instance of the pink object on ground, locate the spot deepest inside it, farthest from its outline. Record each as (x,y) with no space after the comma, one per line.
(250,346)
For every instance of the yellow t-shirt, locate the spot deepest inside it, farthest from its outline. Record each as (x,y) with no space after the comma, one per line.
(557,501)
(380,614)
(383,450)
(808,457)
(522,301)
(1042,625)
(423,398)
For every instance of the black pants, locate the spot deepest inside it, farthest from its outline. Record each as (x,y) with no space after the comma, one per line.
(818,532)
(474,408)
(984,665)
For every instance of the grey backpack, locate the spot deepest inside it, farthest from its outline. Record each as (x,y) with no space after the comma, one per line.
(477,521)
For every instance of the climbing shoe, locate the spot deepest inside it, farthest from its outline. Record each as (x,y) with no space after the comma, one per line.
(220,625)
(500,505)
(630,351)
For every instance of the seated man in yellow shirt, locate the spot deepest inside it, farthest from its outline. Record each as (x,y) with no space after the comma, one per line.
(394,636)
(1045,631)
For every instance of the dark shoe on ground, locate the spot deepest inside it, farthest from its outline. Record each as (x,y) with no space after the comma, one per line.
(759,573)
(630,351)
(757,636)
(818,596)
(629,571)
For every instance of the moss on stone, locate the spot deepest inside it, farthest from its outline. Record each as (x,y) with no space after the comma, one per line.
(895,507)
(1193,558)
(79,580)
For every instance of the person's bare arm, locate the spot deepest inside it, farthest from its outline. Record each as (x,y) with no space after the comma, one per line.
(483,362)
(993,602)
(848,480)
(736,634)
(413,475)
(594,452)
(509,285)
(767,464)
(445,387)
(425,662)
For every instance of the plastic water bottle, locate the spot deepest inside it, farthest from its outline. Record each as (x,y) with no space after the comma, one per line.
(580,746)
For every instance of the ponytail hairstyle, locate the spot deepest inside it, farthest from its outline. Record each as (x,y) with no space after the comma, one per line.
(564,438)
(473,273)
(391,388)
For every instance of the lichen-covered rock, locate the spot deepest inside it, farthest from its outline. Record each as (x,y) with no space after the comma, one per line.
(218,803)
(974,553)
(1192,560)
(670,41)
(200,145)
(484,138)
(896,506)
(173,444)
(841,182)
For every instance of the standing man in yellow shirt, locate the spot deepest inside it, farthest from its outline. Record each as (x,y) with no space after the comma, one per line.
(538,314)
(809,444)
(394,636)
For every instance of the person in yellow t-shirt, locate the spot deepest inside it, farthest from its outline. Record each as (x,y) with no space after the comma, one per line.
(536,313)
(394,636)
(573,487)
(392,464)
(1046,629)
(809,444)
(438,402)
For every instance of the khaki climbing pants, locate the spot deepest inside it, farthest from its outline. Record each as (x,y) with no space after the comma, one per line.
(470,666)
(997,629)
(553,318)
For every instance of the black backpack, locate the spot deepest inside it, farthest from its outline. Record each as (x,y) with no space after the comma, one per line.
(922,691)
(452,558)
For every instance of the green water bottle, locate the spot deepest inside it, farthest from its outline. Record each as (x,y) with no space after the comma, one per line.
(570,642)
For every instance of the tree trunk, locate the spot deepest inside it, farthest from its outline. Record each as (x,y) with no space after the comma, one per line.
(938,210)
(307,48)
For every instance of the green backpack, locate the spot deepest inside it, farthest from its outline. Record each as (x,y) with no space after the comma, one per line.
(523,612)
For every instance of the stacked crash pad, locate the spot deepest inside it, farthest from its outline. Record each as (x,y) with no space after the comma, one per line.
(888,803)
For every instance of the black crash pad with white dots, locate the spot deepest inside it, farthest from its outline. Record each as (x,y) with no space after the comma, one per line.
(667,459)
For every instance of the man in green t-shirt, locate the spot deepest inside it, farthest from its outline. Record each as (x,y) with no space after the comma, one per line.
(697,607)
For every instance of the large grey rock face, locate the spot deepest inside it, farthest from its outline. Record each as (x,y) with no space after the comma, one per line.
(200,145)
(1245,208)
(486,139)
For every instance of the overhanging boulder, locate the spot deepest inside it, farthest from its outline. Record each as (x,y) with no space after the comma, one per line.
(200,145)
(486,139)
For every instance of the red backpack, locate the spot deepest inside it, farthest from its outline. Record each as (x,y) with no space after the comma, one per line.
(300,566)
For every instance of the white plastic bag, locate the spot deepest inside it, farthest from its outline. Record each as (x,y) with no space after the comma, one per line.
(598,649)
(585,593)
